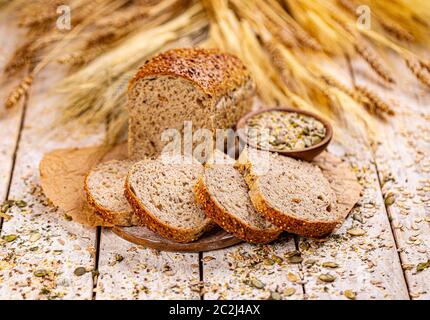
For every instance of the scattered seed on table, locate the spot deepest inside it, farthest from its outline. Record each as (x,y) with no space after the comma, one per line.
(80,271)
(327,277)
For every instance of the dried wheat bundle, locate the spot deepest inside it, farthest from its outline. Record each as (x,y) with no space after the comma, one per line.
(281,42)
(89,37)
(97,92)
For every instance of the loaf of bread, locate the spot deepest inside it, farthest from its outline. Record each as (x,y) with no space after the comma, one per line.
(161,195)
(223,193)
(104,188)
(292,194)
(209,88)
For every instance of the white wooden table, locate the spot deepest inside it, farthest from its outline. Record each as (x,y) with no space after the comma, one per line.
(45,260)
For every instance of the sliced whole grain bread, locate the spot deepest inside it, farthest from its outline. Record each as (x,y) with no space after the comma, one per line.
(292,194)
(223,193)
(161,195)
(205,86)
(104,188)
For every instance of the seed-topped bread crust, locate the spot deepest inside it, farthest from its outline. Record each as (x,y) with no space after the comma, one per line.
(229,222)
(214,72)
(184,88)
(293,195)
(313,229)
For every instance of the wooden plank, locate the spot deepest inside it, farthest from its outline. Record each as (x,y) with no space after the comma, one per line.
(9,119)
(249,271)
(41,261)
(403,161)
(129,271)
(367,265)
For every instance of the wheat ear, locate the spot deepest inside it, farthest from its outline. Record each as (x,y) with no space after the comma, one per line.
(397,31)
(376,106)
(362,95)
(425,65)
(421,72)
(371,57)
(19,92)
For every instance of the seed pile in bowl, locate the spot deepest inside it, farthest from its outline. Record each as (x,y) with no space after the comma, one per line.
(284,131)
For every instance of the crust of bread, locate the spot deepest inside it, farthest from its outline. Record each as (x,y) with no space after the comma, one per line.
(289,223)
(147,219)
(114,218)
(227,221)
(216,73)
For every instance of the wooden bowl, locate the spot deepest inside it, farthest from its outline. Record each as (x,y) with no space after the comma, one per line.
(307,154)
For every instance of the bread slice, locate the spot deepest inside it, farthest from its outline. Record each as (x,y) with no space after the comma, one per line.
(104,187)
(292,194)
(223,193)
(209,88)
(161,194)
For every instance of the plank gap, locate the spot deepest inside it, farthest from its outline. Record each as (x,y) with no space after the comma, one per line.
(96,263)
(375,164)
(300,265)
(15,151)
(202,293)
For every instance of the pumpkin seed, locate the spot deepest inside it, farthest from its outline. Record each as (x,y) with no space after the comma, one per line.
(275,296)
(309,262)
(295,259)
(289,291)
(40,273)
(10,237)
(268,262)
(292,253)
(329,264)
(277,259)
(80,271)
(292,277)
(257,284)
(327,277)
(422,266)
(118,258)
(389,200)
(350,294)
(356,232)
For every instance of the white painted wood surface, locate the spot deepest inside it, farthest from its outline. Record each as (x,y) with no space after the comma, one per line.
(9,119)
(368,266)
(403,161)
(248,271)
(129,271)
(41,261)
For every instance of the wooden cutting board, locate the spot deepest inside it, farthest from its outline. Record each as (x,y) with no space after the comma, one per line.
(213,240)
